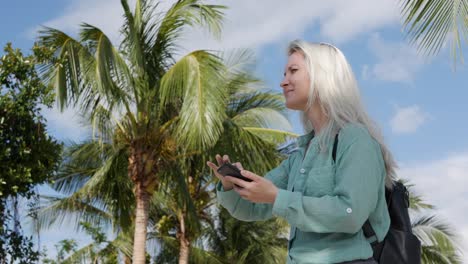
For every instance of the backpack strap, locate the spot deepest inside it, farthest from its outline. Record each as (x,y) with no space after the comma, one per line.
(369,232)
(335,146)
(367,227)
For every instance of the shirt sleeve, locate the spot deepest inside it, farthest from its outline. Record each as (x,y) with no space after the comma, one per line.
(358,176)
(248,211)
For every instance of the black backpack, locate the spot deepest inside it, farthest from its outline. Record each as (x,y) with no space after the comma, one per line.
(400,245)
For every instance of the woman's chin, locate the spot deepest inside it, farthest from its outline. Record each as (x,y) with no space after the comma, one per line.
(293,106)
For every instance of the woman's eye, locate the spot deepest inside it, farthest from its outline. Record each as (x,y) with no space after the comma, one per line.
(293,70)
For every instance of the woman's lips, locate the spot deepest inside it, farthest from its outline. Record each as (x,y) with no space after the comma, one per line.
(286,92)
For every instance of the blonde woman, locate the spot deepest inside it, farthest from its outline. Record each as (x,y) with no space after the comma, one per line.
(325,199)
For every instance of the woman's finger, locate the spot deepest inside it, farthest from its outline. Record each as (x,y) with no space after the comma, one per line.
(239,165)
(219,159)
(241,191)
(212,165)
(251,175)
(226,159)
(239,182)
(215,169)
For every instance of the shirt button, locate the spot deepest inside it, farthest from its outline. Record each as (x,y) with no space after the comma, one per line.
(349,210)
(302,170)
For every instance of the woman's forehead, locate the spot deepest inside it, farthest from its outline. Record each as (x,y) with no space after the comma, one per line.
(295,58)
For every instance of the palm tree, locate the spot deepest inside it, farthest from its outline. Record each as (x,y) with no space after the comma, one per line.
(94,188)
(138,98)
(247,137)
(429,24)
(439,243)
(94,175)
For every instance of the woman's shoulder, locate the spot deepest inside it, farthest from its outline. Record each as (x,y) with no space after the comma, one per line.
(352,133)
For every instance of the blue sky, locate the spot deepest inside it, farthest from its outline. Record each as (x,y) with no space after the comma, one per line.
(420,103)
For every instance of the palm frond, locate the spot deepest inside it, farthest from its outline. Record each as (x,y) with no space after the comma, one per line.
(274,136)
(239,61)
(82,256)
(199,255)
(132,43)
(416,201)
(181,14)
(262,117)
(429,24)
(438,240)
(96,174)
(241,103)
(195,78)
(249,242)
(239,67)
(108,70)
(253,151)
(82,160)
(66,71)
(71,210)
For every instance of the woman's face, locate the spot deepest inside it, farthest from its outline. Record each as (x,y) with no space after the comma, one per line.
(296,82)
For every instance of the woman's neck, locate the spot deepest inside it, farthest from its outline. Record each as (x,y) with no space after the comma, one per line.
(317,118)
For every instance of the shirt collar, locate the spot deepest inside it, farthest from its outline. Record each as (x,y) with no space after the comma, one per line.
(304,139)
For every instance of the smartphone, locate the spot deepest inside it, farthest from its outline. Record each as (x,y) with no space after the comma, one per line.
(227,169)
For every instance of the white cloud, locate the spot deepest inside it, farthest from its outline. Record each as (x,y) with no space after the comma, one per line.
(408,119)
(348,19)
(66,125)
(252,23)
(396,62)
(105,14)
(443,183)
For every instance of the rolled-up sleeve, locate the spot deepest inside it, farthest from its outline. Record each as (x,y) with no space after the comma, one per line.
(358,176)
(249,211)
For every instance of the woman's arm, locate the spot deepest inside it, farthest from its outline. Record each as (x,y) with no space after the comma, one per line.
(248,211)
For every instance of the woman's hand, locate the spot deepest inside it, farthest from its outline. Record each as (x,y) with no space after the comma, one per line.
(227,185)
(259,190)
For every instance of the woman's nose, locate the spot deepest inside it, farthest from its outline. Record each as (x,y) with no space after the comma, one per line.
(284,83)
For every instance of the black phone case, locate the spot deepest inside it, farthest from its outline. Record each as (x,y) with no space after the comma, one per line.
(228,169)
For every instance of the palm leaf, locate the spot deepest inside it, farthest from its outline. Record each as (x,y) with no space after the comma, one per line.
(71,210)
(416,201)
(194,78)
(243,102)
(83,255)
(181,14)
(65,73)
(439,242)
(96,175)
(272,135)
(429,24)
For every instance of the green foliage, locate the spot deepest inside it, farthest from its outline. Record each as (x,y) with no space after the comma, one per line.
(431,24)
(191,211)
(440,244)
(249,242)
(98,251)
(28,156)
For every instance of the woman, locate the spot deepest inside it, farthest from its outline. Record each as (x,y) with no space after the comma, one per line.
(325,199)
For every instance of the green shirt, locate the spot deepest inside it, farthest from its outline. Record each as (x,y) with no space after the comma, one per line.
(326,203)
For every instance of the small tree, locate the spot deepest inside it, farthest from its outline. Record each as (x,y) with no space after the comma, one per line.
(28,156)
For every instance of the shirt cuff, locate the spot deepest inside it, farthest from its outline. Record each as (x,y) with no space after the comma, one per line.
(280,205)
(226,198)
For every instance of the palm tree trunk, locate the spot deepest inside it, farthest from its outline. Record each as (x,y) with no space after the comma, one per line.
(184,242)
(141,170)
(141,222)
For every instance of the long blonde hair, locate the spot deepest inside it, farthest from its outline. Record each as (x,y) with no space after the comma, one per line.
(333,85)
